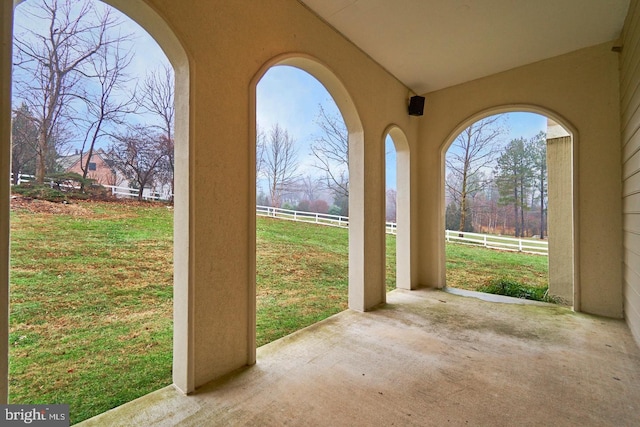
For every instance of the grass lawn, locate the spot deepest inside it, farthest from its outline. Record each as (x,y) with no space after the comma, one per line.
(302,275)
(470,267)
(91,304)
(91,295)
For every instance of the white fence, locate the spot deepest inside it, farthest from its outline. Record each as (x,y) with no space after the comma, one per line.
(488,241)
(22,178)
(121,192)
(132,193)
(312,217)
(316,218)
(499,242)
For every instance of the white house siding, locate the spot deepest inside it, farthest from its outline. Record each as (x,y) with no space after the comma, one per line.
(630,110)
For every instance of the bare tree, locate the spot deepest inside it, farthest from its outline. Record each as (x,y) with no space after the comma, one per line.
(392,204)
(138,153)
(331,151)
(261,146)
(156,97)
(473,150)
(50,63)
(538,151)
(280,164)
(107,71)
(310,188)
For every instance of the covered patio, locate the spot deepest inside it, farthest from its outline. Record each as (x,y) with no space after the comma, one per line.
(414,356)
(427,357)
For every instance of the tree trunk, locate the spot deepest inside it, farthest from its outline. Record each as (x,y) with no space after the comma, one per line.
(41,154)
(541,206)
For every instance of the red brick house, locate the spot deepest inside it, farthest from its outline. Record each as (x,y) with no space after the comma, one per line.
(100,167)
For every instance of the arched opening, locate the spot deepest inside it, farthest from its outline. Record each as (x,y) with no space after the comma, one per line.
(398,171)
(543,147)
(143,15)
(336,89)
(301,204)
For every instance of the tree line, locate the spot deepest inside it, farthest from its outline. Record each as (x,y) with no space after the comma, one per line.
(72,86)
(73,91)
(287,186)
(495,187)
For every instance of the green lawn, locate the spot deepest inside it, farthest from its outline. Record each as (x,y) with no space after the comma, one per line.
(91,306)
(470,267)
(91,295)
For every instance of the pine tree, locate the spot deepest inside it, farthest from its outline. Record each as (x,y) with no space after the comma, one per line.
(514,172)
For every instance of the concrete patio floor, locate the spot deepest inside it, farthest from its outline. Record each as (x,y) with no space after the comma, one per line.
(427,358)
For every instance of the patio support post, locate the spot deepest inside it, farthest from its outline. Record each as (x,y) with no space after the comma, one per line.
(366,224)
(6,36)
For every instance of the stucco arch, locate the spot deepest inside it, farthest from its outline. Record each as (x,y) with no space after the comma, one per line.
(183,287)
(359,297)
(512,108)
(563,211)
(159,30)
(403,207)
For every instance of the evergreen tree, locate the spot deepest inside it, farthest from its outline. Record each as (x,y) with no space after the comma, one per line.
(538,149)
(24,139)
(514,172)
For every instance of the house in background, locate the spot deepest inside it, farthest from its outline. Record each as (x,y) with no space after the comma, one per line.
(101,168)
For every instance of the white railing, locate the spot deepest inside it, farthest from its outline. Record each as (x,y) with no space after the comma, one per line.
(312,217)
(115,190)
(486,240)
(21,178)
(499,242)
(132,193)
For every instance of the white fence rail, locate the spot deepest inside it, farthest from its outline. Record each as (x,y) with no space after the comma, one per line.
(121,192)
(132,193)
(316,218)
(312,217)
(22,178)
(499,242)
(488,241)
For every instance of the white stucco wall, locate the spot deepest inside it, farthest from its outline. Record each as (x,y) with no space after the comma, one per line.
(228,45)
(579,90)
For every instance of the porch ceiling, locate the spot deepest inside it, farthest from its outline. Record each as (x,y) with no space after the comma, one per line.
(433,44)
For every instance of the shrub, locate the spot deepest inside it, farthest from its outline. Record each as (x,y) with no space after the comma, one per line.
(516,289)
(62,187)
(39,191)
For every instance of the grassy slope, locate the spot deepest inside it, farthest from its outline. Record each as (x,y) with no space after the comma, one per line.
(91,297)
(302,275)
(91,306)
(469,267)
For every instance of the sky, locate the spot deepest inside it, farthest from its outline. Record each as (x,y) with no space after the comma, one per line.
(289,97)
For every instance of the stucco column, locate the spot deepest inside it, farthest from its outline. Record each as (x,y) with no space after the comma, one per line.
(6,31)
(560,217)
(366,223)
(431,252)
